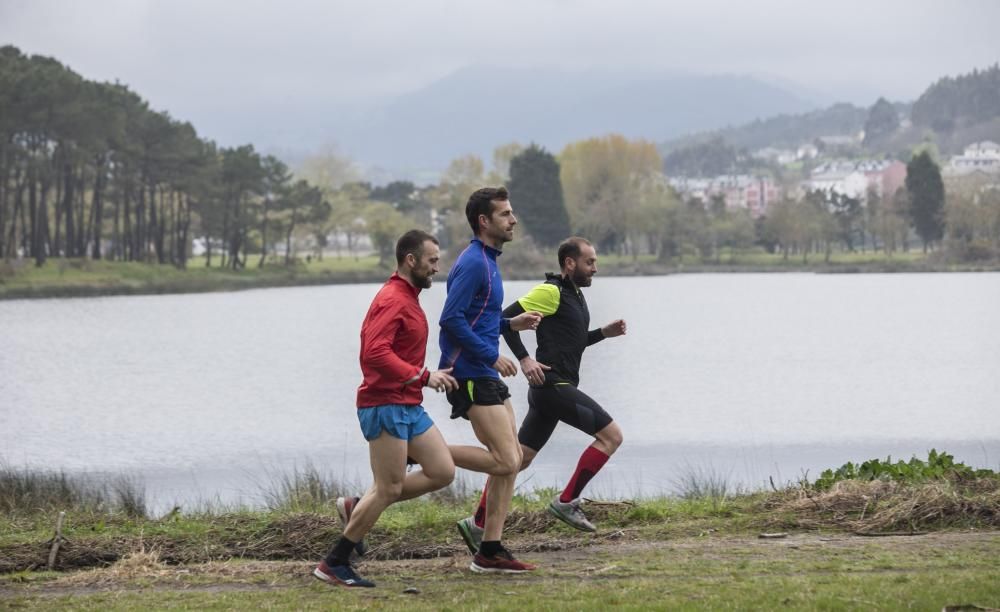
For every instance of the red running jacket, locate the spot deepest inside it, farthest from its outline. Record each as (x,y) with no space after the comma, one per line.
(393,347)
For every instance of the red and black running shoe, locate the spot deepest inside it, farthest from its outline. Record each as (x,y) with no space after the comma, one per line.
(340,575)
(501,563)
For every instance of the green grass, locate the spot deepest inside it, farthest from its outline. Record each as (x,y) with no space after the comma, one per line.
(757,256)
(62,277)
(329,264)
(761,257)
(713,573)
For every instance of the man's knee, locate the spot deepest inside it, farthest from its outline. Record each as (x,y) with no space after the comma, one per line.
(441,476)
(388,492)
(508,461)
(611,437)
(527,456)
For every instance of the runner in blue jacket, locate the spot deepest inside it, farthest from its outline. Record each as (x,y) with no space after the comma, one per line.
(471,324)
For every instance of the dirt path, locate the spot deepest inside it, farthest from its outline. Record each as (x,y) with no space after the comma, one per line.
(794,555)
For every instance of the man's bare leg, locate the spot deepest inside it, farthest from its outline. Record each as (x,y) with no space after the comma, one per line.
(495,427)
(437,469)
(388,460)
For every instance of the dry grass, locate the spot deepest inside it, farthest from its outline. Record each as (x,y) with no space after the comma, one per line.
(135,564)
(881,506)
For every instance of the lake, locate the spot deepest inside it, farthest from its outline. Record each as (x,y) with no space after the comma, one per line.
(750,377)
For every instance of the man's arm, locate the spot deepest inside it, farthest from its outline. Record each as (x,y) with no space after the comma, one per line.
(511,337)
(464,285)
(611,330)
(543,299)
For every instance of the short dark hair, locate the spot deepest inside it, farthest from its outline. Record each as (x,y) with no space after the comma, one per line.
(412,242)
(571,247)
(481,203)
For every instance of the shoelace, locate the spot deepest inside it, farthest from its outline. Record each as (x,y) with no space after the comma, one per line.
(351,575)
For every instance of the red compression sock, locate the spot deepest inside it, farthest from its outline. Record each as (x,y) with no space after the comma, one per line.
(591,462)
(480,518)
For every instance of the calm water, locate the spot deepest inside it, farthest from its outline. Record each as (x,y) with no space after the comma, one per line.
(207,397)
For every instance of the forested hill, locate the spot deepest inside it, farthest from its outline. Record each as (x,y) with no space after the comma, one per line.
(954,111)
(783,130)
(961,101)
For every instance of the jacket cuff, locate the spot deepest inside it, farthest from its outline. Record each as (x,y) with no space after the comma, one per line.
(421,376)
(594,336)
(424,377)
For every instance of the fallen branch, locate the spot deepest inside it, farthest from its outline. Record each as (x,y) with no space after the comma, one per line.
(888,534)
(595,502)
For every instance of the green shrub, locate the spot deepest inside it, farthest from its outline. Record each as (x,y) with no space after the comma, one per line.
(939,466)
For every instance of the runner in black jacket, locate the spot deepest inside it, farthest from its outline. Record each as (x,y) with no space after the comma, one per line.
(562,337)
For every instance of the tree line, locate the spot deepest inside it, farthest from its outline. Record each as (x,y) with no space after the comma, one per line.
(90,170)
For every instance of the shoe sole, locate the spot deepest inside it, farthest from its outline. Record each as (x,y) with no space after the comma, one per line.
(333,580)
(466,534)
(496,570)
(562,518)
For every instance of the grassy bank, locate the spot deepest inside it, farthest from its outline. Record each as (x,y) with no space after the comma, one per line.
(877,535)
(81,278)
(86,278)
(425,528)
(107,518)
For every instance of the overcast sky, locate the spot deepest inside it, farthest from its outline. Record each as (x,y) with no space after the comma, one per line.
(196,58)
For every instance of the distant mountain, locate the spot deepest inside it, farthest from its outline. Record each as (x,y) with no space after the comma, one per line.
(478,108)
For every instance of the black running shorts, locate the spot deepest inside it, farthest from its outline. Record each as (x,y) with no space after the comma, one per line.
(561,402)
(479,391)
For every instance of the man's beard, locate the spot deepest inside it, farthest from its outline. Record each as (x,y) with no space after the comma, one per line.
(421,280)
(581,279)
(501,236)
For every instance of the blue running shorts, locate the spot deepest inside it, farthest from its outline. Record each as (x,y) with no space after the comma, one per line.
(403,422)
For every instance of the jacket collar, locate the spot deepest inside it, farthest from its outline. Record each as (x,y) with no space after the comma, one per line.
(494,253)
(563,281)
(396,278)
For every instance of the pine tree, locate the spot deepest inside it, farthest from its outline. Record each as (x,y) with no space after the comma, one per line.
(537,193)
(926,190)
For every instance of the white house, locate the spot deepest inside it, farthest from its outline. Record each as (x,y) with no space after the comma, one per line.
(782,156)
(983,156)
(855,179)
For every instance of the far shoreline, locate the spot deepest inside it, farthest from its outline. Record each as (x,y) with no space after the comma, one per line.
(190,281)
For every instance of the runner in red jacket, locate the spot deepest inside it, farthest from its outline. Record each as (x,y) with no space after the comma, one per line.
(393,347)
